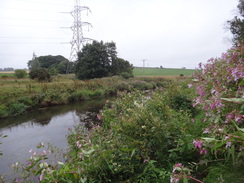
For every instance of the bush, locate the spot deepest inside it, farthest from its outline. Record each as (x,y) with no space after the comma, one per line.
(181,102)
(137,133)
(139,141)
(3,111)
(139,84)
(20,73)
(4,77)
(53,71)
(40,75)
(220,91)
(16,108)
(126,75)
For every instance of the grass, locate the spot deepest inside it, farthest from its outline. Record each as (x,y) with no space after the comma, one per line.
(140,71)
(25,94)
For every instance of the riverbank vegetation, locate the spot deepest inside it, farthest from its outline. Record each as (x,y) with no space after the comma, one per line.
(18,96)
(181,132)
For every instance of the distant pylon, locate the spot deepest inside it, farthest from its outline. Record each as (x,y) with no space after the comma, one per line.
(78,39)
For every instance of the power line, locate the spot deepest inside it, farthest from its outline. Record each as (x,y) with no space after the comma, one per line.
(41,2)
(30,38)
(22,9)
(46,20)
(30,42)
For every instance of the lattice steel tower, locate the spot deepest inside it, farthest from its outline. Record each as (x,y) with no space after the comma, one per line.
(78,39)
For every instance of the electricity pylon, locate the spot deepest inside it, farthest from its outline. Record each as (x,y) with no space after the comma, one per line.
(78,40)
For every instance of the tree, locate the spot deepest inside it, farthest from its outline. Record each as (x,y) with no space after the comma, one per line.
(120,65)
(237,24)
(59,62)
(100,59)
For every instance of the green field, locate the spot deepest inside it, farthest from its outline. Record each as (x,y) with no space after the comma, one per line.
(143,71)
(140,71)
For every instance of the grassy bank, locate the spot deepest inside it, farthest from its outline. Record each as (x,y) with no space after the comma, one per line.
(18,96)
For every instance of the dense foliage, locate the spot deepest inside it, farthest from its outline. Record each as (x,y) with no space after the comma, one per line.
(40,75)
(237,24)
(61,64)
(20,73)
(141,138)
(220,90)
(99,60)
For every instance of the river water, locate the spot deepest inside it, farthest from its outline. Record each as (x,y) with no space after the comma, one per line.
(48,125)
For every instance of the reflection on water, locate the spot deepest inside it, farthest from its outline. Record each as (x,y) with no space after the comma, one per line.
(48,125)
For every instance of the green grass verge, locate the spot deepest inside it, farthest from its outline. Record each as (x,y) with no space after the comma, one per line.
(140,71)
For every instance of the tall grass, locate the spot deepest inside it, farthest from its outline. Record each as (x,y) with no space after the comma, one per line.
(20,95)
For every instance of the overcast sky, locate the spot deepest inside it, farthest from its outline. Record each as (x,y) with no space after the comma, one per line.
(168,33)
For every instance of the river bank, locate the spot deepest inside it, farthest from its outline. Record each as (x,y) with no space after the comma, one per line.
(20,96)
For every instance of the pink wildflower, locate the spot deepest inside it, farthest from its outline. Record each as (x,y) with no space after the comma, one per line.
(78,144)
(228,144)
(99,117)
(197,144)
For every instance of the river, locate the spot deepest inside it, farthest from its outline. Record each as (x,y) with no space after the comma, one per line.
(47,125)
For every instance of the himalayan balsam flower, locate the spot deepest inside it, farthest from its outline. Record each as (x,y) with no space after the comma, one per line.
(175,177)
(198,145)
(78,144)
(207,130)
(99,117)
(228,144)
(145,160)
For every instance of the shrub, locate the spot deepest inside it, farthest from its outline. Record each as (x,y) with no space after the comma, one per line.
(53,71)
(16,108)
(20,73)
(126,75)
(26,100)
(139,141)
(4,77)
(182,103)
(220,90)
(122,86)
(40,75)
(3,111)
(139,84)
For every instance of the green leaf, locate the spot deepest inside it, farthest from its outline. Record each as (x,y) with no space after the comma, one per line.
(38,172)
(133,152)
(208,139)
(241,83)
(241,129)
(217,119)
(235,100)
(233,153)
(218,145)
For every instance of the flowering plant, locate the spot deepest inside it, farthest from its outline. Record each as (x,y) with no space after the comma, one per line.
(220,90)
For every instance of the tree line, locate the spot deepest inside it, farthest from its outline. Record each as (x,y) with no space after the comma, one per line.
(95,60)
